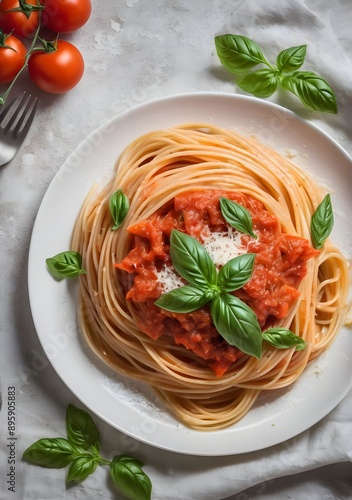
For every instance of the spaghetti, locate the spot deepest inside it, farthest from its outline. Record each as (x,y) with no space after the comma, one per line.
(154,171)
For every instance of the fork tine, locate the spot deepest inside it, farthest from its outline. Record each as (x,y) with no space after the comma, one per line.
(16,113)
(31,104)
(15,121)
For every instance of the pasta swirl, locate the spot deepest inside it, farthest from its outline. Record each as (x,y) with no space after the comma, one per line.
(152,171)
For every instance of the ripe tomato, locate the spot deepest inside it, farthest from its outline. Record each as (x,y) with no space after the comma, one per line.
(58,71)
(17,22)
(65,16)
(12,57)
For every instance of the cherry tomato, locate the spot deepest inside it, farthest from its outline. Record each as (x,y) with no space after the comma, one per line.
(59,71)
(65,16)
(17,22)
(12,57)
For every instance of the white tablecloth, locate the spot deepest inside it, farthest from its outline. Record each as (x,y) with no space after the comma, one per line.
(137,50)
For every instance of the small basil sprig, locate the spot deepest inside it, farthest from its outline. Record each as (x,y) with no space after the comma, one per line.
(65,265)
(239,54)
(237,216)
(234,320)
(81,452)
(322,222)
(119,206)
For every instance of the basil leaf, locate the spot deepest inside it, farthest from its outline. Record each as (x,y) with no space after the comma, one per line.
(236,272)
(281,338)
(291,59)
(127,474)
(261,83)
(237,324)
(312,90)
(81,429)
(119,206)
(53,453)
(238,53)
(322,222)
(65,265)
(237,216)
(191,260)
(184,299)
(82,467)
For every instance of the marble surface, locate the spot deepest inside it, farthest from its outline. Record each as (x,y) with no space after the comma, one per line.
(134,51)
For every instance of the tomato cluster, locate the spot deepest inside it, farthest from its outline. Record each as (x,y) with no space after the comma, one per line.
(54,66)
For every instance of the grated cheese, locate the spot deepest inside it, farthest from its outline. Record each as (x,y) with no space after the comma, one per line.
(169,279)
(221,247)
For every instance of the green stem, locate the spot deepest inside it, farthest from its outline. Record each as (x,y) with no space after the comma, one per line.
(271,66)
(103,461)
(34,41)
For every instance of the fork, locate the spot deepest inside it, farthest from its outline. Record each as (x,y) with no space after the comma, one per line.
(14,125)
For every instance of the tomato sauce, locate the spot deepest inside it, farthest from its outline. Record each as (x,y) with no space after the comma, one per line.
(280,266)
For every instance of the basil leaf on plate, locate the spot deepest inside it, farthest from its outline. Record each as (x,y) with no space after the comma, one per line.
(236,272)
(322,222)
(281,338)
(184,299)
(237,216)
(65,265)
(191,260)
(119,206)
(237,324)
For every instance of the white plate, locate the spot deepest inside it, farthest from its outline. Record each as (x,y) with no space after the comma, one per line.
(131,407)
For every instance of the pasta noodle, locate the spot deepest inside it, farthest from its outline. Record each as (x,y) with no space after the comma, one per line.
(152,171)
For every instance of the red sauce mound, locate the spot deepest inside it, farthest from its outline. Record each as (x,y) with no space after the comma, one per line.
(280,266)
